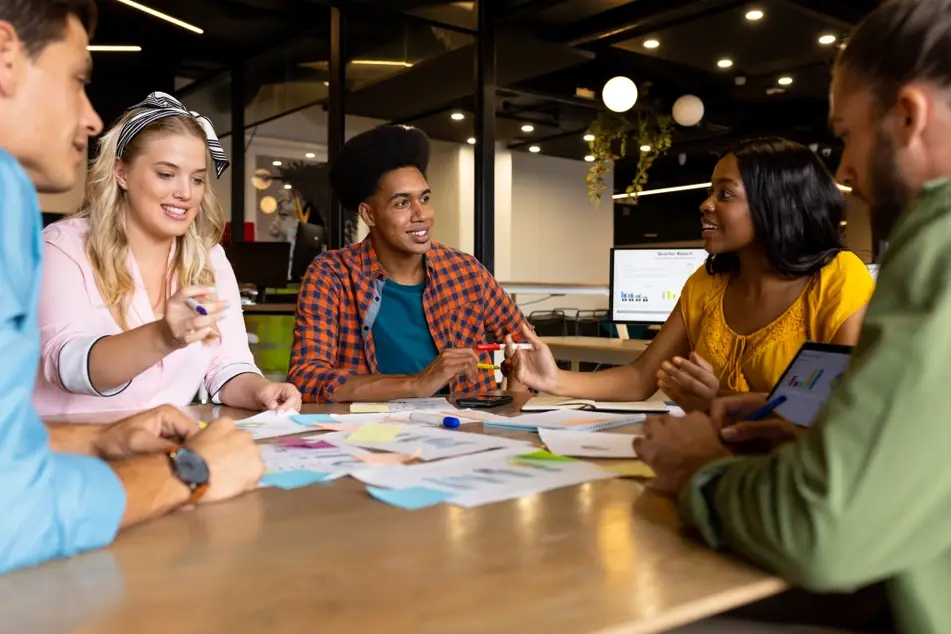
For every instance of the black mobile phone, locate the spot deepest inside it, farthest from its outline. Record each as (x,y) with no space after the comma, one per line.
(483,401)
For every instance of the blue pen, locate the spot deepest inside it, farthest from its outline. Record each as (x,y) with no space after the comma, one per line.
(449,422)
(767,409)
(195,306)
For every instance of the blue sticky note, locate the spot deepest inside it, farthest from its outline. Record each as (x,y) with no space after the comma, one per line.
(293,479)
(312,419)
(410,499)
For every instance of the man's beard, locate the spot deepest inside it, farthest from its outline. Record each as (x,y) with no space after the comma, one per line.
(889,194)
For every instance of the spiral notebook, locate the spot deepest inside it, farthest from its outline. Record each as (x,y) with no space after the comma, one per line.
(548,403)
(566,419)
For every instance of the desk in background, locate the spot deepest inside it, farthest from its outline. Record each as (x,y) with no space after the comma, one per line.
(595,350)
(605,556)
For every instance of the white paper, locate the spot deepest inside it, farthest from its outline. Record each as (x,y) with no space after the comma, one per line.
(485,478)
(587,444)
(337,461)
(569,419)
(433,443)
(465,416)
(415,404)
(271,425)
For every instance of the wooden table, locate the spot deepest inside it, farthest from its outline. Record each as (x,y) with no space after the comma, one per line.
(595,350)
(605,557)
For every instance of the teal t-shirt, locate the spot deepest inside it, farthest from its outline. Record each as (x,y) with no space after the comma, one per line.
(400,332)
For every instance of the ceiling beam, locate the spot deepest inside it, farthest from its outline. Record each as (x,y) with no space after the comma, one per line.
(527,8)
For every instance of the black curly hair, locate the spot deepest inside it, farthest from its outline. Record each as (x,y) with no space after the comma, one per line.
(366,158)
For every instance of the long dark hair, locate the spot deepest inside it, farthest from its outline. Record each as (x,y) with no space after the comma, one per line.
(795,204)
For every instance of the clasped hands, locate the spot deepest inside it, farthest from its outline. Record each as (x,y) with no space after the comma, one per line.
(676,448)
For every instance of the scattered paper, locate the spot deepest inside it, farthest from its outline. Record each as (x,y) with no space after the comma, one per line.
(541,454)
(308,444)
(384,459)
(630,469)
(411,498)
(485,478)
(337,461)
(336,427)
(575,420)
(293,479)
(271,425)
(374,434)
(588,444)
(433,443)
(369,408)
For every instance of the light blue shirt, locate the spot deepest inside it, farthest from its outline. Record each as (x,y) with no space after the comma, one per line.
(51,505)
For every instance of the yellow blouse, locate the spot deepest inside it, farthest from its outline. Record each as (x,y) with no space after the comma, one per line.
(754,362)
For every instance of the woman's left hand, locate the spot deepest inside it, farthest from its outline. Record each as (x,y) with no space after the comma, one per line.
(282,397)
(689,382)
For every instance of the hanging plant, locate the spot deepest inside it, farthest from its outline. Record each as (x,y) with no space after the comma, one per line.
(614,134)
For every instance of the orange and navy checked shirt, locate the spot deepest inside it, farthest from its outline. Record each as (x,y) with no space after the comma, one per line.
(340,299)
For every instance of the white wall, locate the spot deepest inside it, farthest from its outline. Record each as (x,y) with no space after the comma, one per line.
(557,233)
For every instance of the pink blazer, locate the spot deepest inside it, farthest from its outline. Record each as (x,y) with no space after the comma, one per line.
(72,317)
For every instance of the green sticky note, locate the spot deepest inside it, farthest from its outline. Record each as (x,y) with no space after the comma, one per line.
(543,454)
(375,433)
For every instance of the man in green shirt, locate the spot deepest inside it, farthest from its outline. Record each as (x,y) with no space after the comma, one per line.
(864,496)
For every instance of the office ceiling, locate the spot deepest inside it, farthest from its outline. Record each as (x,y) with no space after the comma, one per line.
(548,50)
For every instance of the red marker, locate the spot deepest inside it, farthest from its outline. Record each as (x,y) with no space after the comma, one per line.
(488,347)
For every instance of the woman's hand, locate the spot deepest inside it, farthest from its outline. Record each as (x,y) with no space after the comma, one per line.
(535,368)
(690,383)
(182,325)
(281,397)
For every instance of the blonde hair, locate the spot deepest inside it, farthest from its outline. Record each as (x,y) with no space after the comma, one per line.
(104,207)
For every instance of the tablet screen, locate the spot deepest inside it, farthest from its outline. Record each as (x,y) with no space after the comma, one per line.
(809,380)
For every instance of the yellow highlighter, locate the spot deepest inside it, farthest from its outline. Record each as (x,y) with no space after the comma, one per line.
(487,366)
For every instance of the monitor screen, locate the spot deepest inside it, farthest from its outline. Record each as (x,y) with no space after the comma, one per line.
(308,244)
(646,283)
(809,379)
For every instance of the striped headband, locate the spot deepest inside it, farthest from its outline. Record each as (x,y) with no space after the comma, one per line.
(160,105)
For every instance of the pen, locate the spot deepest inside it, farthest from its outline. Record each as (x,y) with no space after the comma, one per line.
(767,409)
(195,306)
(450,422)
(489,347)
(487,366)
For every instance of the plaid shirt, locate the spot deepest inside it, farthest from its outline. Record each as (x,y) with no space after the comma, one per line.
(340,299)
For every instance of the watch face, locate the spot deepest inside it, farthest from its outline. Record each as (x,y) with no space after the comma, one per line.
(190,467)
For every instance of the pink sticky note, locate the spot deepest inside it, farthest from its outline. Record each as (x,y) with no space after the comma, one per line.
(383,459)
(305,444)
(337,427)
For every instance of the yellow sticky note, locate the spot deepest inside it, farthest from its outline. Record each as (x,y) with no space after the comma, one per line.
(630,469)
(375,433)
(369,408)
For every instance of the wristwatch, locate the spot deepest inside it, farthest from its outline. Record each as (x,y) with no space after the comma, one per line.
(189,467)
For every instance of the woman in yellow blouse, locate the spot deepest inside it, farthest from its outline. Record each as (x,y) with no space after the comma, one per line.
(777,276)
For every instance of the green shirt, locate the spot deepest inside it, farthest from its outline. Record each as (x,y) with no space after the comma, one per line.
(401,334)
(866,495)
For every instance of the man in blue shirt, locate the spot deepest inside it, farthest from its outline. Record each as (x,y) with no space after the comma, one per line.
(57,494)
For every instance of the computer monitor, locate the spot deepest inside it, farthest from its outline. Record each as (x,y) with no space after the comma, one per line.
(308,244)
(873,269)
(264,264)
(646,282)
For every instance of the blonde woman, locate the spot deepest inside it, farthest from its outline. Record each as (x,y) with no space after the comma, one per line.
(139,305)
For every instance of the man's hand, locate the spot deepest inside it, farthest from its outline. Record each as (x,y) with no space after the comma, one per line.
(234,461)
(280,397)
(690,383)
(153,431)
(450,363)
(676,448)
(729,415)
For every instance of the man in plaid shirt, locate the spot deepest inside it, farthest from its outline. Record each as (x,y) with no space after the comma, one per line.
(396,315)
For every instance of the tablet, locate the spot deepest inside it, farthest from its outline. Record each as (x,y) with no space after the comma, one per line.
(809,379)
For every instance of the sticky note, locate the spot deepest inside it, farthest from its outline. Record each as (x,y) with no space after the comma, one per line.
(384,459)
(375,433)
(369,408)
(630,469)
(293,479)
(337,427)
(310,420)
(542,454)
(308,444)
(410,499)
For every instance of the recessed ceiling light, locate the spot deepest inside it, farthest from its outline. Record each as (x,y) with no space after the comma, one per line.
(310,155)
(843,223)
(326,83)
(589,159)
(589,137)
(276,163)
(534,149)
(645,148)
(471,140)
(725,62)
(784,81)
(827,39)
(651,43)
(754,15)
(457,116)
(288,186)
(528,128)
(113,48)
